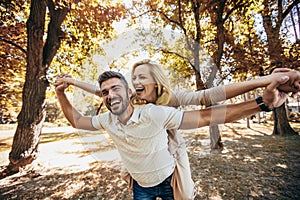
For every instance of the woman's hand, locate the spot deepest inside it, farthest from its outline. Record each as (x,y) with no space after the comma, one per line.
(62,82)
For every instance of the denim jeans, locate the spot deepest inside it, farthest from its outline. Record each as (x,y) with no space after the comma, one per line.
(163,190)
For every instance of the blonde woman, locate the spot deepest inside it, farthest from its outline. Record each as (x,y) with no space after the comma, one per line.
(152,86)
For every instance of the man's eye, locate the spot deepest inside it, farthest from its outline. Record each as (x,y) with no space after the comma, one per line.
(116,89)
(104,93)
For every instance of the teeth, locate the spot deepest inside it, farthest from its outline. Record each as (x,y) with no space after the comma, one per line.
(139,89)
(114,103)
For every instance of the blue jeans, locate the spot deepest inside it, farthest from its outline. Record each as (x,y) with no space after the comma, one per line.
(163,190)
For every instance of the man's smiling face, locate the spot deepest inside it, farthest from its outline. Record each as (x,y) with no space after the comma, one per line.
(115,95)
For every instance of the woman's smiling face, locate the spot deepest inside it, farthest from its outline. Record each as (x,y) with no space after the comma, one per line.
(144,83)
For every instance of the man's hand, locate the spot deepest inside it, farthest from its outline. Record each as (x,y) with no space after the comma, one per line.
(272,96)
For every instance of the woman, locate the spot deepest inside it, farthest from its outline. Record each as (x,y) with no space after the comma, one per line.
(152,86)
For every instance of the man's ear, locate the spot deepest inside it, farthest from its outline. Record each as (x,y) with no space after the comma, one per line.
(130,93)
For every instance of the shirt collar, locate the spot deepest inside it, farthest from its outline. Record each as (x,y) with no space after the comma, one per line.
(134,118)
(135,115)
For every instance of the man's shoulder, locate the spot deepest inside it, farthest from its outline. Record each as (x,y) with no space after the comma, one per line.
(104,116)
(102,120)
(147,106)
(144,106)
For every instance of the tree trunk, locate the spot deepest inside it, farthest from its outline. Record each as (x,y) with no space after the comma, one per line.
(215,138)
(199,83)
(281,125)
(32,115)
(27,136)
(39,56)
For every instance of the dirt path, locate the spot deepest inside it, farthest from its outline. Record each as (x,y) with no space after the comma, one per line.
(85,165)
(65,147)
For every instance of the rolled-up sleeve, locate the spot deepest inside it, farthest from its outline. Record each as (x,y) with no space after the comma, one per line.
(96,122)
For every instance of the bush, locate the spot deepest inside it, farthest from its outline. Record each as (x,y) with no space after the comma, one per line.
(52,112)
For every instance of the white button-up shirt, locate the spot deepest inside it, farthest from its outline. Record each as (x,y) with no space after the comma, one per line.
(143,141)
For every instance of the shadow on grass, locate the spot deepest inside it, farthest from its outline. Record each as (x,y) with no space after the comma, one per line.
(98,182)
(4,146)
(48,137)
(56,136)
(251,168)
(256,167)
(53,137)
(240,131)
(259,167)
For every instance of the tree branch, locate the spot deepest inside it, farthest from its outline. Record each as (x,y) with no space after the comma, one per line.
(142,14)
(164,15)
(55,34)
(236,6)
(180,17)
(177,54)
(51,7)
(13,44)
(289,8)
(280,19)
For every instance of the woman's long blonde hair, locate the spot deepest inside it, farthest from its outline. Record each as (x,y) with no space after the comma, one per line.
(163,87)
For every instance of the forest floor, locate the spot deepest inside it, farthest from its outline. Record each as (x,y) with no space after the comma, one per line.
(85,165)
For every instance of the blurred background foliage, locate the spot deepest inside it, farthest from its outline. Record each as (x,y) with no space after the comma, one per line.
(101,35)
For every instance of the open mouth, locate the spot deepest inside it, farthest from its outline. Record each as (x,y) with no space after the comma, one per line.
(139,89)
(113,103)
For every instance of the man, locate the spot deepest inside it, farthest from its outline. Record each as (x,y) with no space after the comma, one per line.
(140,132)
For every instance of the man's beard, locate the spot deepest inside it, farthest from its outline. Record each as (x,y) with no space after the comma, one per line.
(124,106)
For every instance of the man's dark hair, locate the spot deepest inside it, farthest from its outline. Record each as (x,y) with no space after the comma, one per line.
(111,74)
